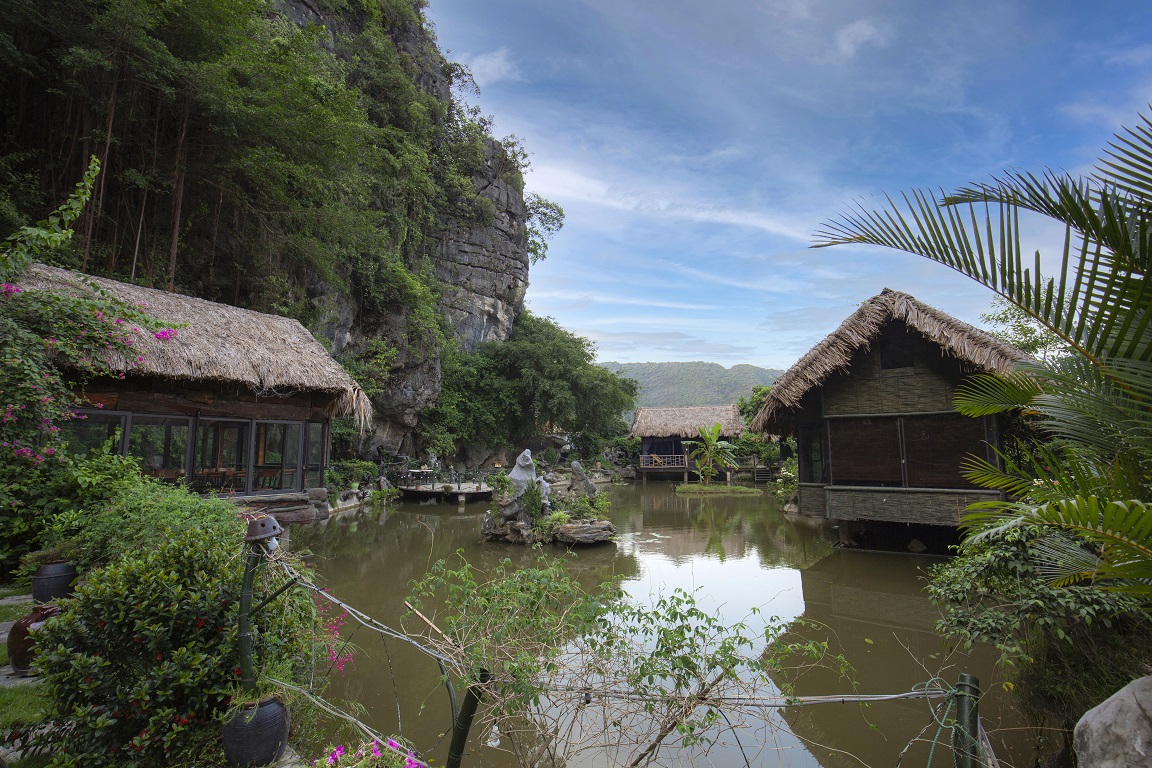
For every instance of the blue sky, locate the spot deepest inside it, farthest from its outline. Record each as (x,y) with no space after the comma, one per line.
(695,147)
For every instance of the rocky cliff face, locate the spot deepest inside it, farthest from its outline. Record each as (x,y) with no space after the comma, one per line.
(484,269)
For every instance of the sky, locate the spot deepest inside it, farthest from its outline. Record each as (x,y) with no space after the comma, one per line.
(697,147)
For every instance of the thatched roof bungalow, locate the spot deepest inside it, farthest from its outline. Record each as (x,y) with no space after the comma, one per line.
(235,401)
(871,407)
(663,431)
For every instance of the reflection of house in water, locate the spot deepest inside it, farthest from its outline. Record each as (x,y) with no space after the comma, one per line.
(237,402)
(870,607)
(872,410)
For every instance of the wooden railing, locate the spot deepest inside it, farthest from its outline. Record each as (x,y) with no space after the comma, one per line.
(663,461)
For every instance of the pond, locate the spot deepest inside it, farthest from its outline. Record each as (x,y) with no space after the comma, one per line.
(737,554)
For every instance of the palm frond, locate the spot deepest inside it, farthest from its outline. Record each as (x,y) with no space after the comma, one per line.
(1063,559)
(1122,530)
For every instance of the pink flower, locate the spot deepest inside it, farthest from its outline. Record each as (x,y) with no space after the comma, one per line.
(10,289)
(165,333)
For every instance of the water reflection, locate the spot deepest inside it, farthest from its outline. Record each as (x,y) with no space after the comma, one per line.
(737,553)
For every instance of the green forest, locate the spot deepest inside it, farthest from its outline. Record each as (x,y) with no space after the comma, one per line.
(695,383)
(298,159)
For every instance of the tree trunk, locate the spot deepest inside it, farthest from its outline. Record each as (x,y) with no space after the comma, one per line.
(177,196)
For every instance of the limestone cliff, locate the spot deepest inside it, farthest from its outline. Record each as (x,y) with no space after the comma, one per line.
(483,268)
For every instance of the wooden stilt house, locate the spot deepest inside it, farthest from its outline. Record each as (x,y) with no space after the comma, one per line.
(871,407)
(663,432)
(236,401)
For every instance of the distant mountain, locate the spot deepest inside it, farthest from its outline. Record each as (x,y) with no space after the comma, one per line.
(697,383)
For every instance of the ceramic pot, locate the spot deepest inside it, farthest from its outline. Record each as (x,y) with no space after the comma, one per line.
(52,582)
(257,734)
(22,640)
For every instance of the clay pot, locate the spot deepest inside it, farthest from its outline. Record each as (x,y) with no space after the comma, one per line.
(22,640)
(52,582)
(257,734)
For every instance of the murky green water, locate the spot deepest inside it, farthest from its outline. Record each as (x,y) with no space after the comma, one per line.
(740,554)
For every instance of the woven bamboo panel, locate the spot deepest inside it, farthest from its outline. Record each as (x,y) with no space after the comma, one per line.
(927,385)
(811,501)
(900,505)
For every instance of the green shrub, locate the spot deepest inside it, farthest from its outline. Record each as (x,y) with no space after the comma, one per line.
(34,494)
(144,659)
(142,514)
(342,474)
(584,508)
(549,524)
(629,447)
(550,456)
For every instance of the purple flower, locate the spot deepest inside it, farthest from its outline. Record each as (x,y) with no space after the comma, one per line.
(165,333)
(10,289)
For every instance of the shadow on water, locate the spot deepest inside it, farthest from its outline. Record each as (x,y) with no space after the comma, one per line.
(739,554)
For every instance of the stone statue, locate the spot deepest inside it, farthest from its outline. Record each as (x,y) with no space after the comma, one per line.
(523,473)
(580,485)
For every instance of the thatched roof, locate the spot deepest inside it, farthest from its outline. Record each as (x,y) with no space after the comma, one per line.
(215,342)
(685,422)
(971,346)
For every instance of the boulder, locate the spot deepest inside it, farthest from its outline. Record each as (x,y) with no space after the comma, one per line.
(586,532)
(1117,733)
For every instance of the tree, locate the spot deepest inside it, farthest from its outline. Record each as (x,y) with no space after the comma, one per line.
(542,379)
(710,452)
(750,405)
(545,218)
(1013,325)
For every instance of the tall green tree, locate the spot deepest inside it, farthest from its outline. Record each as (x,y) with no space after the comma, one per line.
(542,379)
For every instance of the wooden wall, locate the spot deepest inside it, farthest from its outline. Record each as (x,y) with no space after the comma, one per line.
(177,397)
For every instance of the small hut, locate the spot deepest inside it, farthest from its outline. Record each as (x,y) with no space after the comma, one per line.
(663,432)
(235,402)
(871,407)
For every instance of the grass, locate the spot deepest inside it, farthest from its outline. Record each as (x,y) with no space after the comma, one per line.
(22,703)
(14,611)
(717,490)
(8,590)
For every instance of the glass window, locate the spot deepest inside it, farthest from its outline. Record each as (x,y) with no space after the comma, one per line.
(161,445)
(90,430)
(314,456)
(277,461)
(221,462)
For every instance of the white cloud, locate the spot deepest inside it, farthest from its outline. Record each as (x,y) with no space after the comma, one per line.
(851,38)
(584,297)
(491,67)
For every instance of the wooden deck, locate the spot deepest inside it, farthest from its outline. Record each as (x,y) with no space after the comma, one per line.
(670,461)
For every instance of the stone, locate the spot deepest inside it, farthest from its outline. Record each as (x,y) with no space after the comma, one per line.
(586,532)
(580,484)
(1117,733)
(523,473)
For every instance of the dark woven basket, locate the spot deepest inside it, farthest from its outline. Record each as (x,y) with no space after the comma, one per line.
(257,734)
